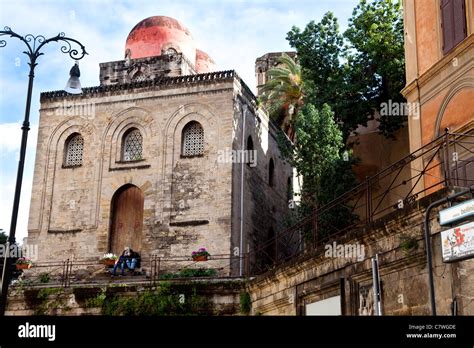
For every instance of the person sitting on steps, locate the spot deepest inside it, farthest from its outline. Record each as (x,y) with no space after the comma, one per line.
(129,259)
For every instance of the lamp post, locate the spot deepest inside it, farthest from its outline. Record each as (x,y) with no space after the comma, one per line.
(34,44)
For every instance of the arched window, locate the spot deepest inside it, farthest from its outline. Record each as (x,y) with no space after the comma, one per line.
(132,145)
(74,151)
(289,189)
(250,156)
(249,143)
(139,76)
(271,172)
(192,140)
(171,51)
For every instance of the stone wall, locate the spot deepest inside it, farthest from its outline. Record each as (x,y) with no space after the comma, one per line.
(131,70)
(217,298)
(314,276)
(262,205)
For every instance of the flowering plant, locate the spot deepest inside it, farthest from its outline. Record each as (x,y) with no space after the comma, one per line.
(200,252)
(109,256)
(24,261)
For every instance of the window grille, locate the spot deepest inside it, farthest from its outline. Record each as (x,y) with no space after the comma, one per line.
(193,140)
(271,172)
(139,77)
(74,151)
(132,146)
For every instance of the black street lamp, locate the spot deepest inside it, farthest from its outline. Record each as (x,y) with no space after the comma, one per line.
(34,44)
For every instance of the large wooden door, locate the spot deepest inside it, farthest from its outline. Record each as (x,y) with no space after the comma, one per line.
(127,219)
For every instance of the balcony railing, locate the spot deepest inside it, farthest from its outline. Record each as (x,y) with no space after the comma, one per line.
(447,161)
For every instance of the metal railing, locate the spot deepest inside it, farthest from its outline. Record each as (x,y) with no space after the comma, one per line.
(152,269)
(447,161)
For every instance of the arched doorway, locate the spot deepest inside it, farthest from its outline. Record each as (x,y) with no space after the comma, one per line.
(127,219)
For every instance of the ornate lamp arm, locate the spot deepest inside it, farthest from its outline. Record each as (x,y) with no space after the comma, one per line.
(35,43)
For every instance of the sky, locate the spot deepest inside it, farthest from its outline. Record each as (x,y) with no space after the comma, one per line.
(233,32)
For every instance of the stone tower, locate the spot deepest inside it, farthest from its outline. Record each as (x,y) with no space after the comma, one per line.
(265,63)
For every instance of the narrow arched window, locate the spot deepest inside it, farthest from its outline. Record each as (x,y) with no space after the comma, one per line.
(171,51)
(250,158)
(74,151)
(271,172)
(249,143)
(132,145)
(192,140)
(289,189)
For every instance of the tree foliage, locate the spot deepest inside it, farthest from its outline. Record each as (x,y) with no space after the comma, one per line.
(319,141)
(3,237)
(354,72)
(282,95)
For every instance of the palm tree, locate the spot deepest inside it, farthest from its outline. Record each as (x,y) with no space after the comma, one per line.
(282,95)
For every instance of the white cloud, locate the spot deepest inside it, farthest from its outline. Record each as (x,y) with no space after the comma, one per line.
(10,138)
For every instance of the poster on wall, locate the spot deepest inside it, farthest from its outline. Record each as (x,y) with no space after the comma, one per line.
(458,243)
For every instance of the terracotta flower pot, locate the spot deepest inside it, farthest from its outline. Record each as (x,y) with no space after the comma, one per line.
(109,262)
(23,266)
(200,258)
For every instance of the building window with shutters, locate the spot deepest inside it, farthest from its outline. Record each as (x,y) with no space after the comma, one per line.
(192,140)
(453,23)
(74,151)
(132,146)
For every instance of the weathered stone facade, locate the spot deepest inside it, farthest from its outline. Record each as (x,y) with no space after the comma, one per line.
(149,68)
(189,202)
(314,276)
(220,297)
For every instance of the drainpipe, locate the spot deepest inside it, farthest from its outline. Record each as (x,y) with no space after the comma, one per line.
(428,242)
(242,168)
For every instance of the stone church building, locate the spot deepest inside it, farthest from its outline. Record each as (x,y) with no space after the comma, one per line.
(145,159)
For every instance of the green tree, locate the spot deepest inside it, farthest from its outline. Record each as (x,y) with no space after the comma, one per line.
(319,141)
(377,41)
(318,156)
(282,95)
(3,236)
(354,72)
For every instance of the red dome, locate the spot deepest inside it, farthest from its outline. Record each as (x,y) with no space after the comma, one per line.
(204,63)
(155,35)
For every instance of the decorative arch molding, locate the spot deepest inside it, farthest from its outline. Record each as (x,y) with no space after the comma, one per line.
(122,122)
(173,130)
(54,156)
(137,70)
(114,185)
(458,87)
(169,45)
(172,134)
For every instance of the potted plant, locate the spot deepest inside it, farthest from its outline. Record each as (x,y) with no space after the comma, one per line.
(23,263)
(200,255)
(109,259)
